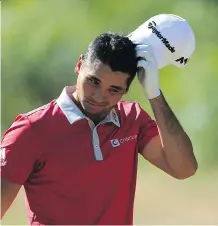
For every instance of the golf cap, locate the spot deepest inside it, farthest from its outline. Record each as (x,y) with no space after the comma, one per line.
(170,36)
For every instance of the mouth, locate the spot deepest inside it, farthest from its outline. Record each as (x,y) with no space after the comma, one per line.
(93,104)
(94,107)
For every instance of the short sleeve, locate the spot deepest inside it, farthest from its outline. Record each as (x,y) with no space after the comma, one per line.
(147,131)
(18,151)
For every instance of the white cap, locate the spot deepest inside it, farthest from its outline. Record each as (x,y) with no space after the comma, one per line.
(170,36)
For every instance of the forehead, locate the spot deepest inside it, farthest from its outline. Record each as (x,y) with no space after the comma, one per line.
(104,73)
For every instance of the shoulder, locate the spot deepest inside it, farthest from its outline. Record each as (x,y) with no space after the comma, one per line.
(36,119)
(46,116)
(43,112)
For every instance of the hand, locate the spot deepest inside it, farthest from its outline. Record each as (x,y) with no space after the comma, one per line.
(147,73)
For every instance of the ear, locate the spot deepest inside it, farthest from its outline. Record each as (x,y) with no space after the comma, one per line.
(125,92)
(79,64)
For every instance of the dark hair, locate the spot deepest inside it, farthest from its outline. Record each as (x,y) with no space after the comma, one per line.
(117,51)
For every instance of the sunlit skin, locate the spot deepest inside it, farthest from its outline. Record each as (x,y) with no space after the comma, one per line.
(98,89)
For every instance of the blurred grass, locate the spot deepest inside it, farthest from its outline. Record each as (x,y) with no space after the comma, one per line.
(41,42)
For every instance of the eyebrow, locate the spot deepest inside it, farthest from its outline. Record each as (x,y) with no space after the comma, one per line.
(93,77)
(115,87)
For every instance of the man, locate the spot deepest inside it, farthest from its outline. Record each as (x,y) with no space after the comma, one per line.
(77,156)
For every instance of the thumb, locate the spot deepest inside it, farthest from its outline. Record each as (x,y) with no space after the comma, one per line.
(142,64)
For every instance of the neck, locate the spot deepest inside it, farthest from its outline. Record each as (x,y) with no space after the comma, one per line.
(96,118)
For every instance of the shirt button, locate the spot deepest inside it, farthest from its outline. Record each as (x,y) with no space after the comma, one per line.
(96,146)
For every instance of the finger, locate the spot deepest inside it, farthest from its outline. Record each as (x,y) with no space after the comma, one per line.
(143,63)
(142,47)
(148,56)
(141,54)
(146,52)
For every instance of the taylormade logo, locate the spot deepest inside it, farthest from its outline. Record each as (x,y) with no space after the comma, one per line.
(116,142)
(152,25)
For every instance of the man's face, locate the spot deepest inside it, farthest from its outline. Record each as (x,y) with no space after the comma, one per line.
(99,88)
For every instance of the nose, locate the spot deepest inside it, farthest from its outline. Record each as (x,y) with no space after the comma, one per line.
(98,95)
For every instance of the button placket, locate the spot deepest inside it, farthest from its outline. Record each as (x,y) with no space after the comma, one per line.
(95,141)
(96,146)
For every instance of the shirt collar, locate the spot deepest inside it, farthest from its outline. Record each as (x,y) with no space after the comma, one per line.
(73,113)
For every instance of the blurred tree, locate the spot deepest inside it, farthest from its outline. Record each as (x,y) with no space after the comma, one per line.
(41,41)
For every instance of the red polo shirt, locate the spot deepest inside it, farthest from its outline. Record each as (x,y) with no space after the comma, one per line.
(75,172)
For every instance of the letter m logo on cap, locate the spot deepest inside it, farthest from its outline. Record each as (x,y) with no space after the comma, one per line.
(183,60)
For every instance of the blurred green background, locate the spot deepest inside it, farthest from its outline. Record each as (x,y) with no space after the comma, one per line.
(41,42)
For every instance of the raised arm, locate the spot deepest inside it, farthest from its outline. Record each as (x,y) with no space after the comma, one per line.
(171,150)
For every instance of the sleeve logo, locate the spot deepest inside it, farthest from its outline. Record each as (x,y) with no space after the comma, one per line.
(2,153)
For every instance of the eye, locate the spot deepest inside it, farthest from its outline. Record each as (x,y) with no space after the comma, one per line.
(114,91)
(93,81)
